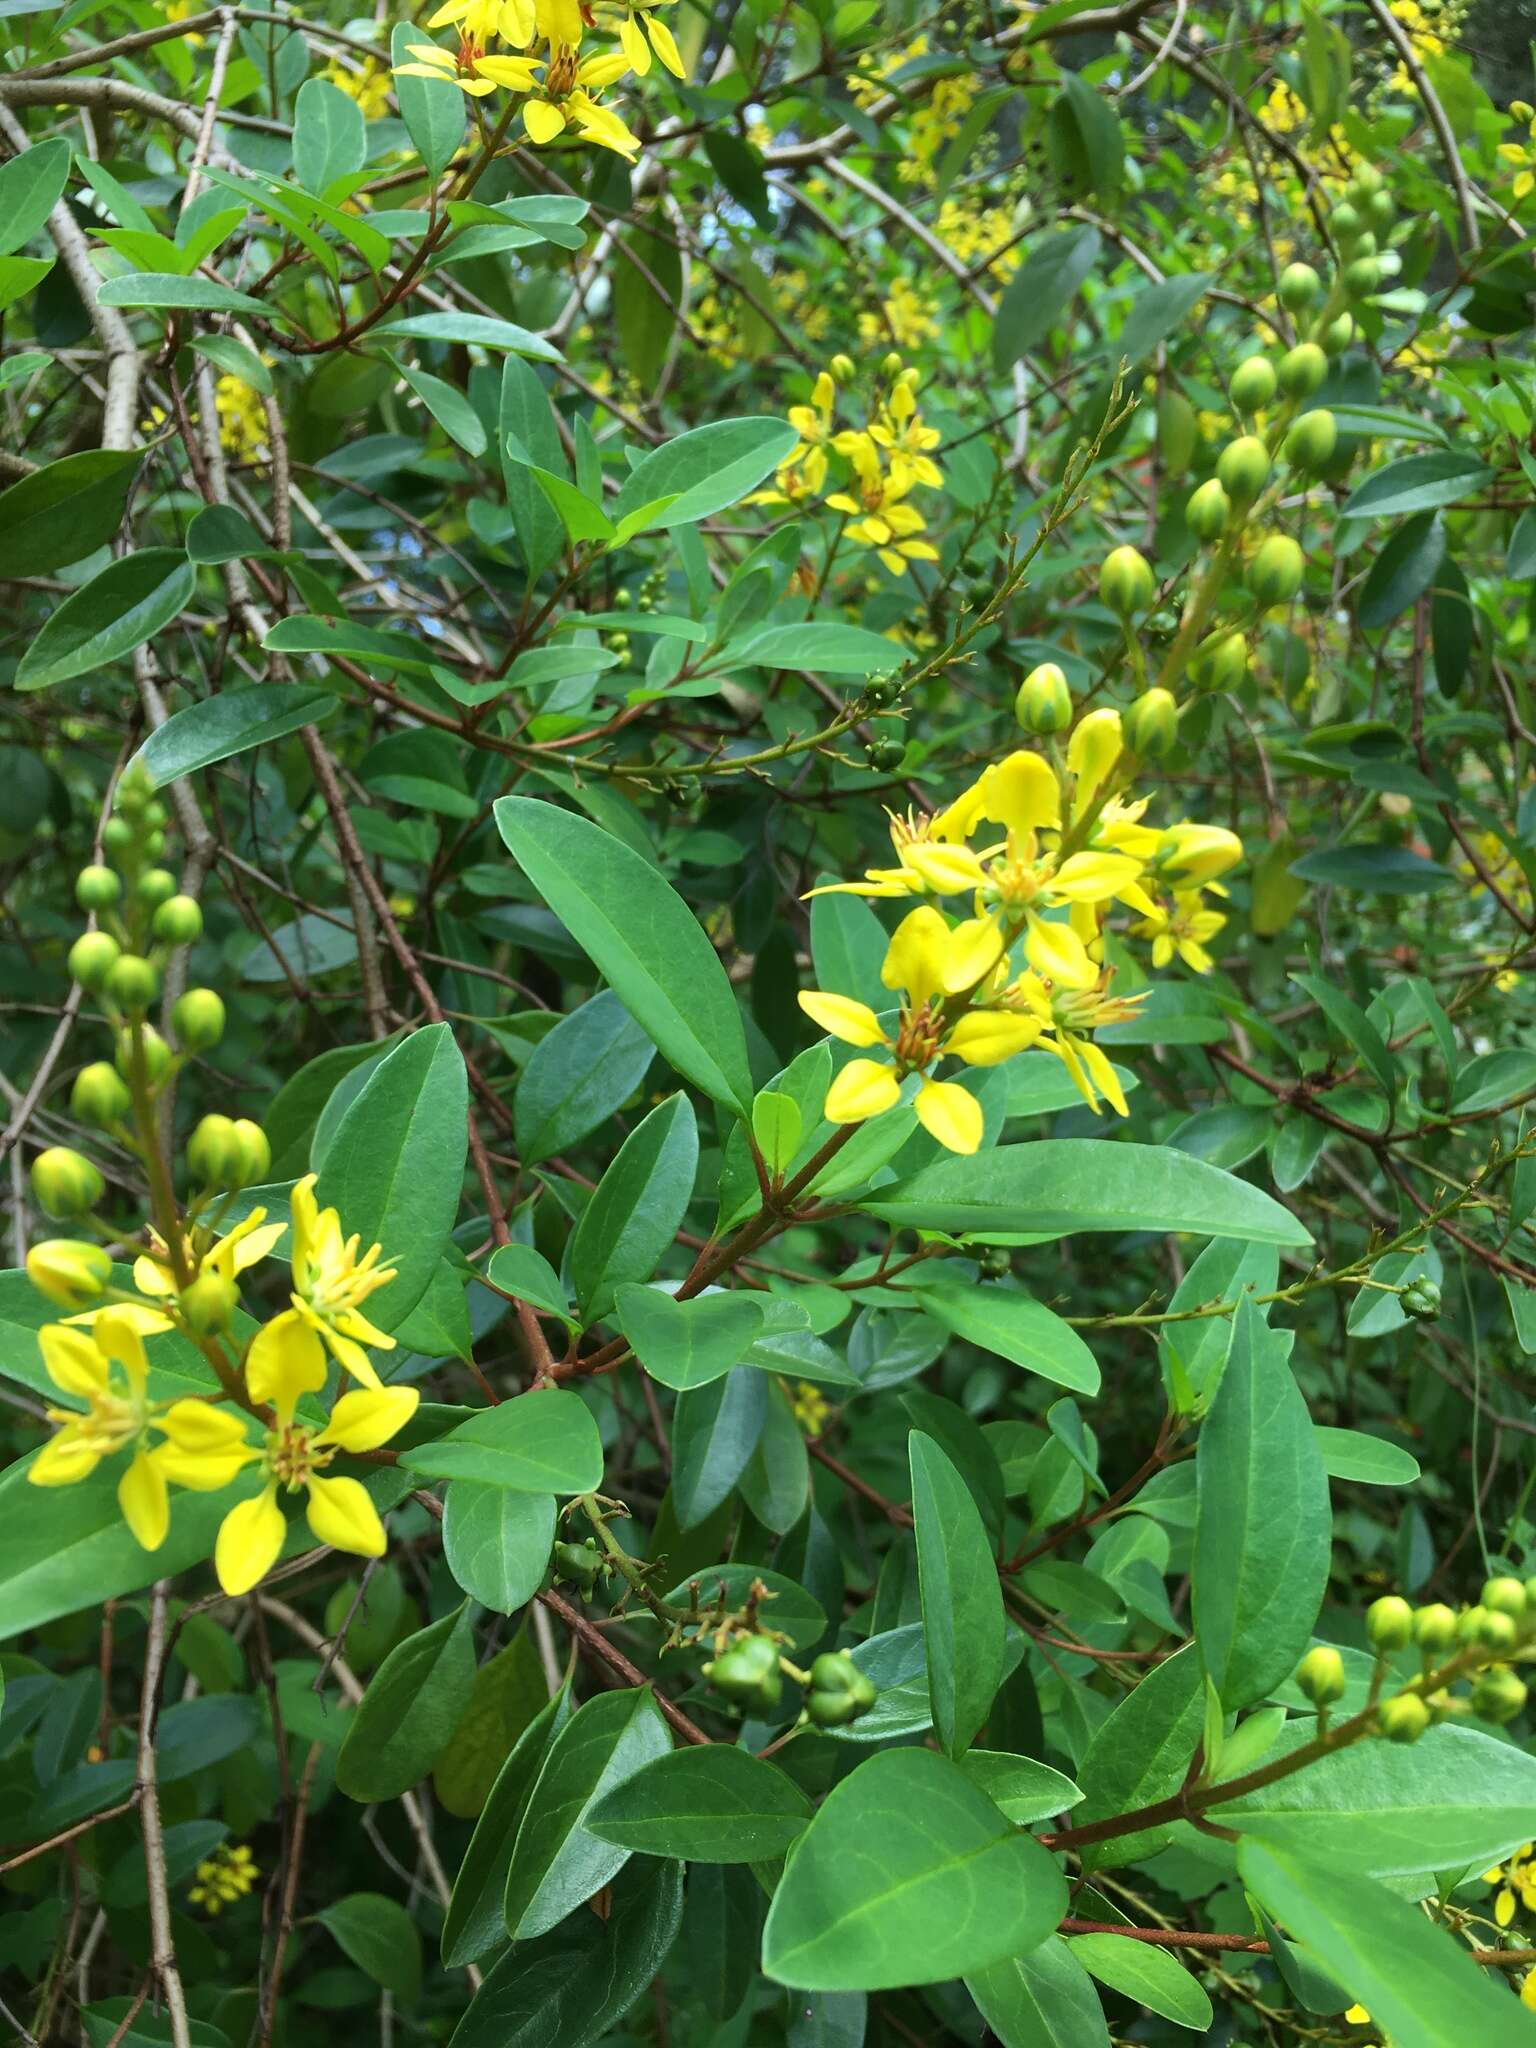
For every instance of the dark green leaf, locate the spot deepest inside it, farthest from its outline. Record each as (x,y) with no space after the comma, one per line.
(962,1602)
(379,1935)
(497,1542)
(67,509)
(1040,292)
(578,1075)
(544,1442)
(31,185)
(638,1207)
(412,1706)
(125,604)
(686,1344)
(230,723)
(714,1805)
(1417,484)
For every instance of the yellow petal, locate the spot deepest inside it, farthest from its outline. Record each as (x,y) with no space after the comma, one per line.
(1056,951)
(145,1500)
(518,22)
(117,1334)
(74,1364)
(636,49)
(1020,792)
(914,960)
(951,1114)
(150,1277)
(285,1360)
(1196,853)
(666,46)
(247,1245)
(203,1471)
(341,1514)
(138,1315)
(863,1088)
(515,74)
(854,1023)
(1103,1076)
(348,1353)
(363,1420)
(197,1426)
(988,1037)
(249,1539)
(1093,749)
(945,869)
(972,948)
(559,21)
(63,1460)
(542,120)
(304,1214)
(1093,877)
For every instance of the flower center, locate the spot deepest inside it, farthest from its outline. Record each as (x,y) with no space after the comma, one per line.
(292,1457)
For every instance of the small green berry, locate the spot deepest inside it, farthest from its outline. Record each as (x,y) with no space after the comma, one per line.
(91,958)
(97,888)
(65,1182)
(1320,1675)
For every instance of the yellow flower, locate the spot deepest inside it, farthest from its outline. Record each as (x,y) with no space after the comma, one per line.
(640,20)
(369,86)
(1066,1016)
(251,1240)
(1192,856)
(1357,2016)
(809,1406)
(900,432)
(68,1270)
(468,68)
(881,518)
(339,1511)
(330,1284)
(1183,928)
(225,1876)
(242,416)
(1516,1881)
(563,99)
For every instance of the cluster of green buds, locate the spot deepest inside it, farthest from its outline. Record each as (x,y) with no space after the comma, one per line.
(839,1692)
(1420,1299)
(580,1565)
(748,1673)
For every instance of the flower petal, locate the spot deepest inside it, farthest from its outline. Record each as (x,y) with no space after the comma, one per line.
(863,1088)
(1056,951)
(250,1537)
(543,120)
(285,1360)
(368,1417)
(987,1037)
(341,1514)
(145,1500)
(74,1364)
(914,960)
(951,1114)
(854,1023)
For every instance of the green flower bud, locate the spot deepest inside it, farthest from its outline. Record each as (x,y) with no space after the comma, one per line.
(886,755)
(1434,1628)
(890,365)
(1208,510)
(135,789)
(834,1671)
(1253,384)
(1362,277)
(1498,1632)
(1498,1695)
(117,835)
(68,1271)
(830,1709)
(1302,370)
(91,958)
(1344,222)
(578,1563)
(1365,243)
(178,921)
(1275,572)
(157,1054)
(155,885)
(1420,1299)
(1320,1675)
(1365,180)
(1220,662)
(1243,469)
(883,688)
(1404,1717)
(1469,1624)
(156,816)
(99,1096)
(1381,209)
(1504,1596)
(1044,702)
(210,1302)
(65,1182)
(1126,582)
(1151,725)
(1300,287)
(842,369)
(199,1019)
(216,1154)
(1177,431)
(97,888)
(1338,334)
(154,845)
(1311,440)
(132,983)
(1389,1623)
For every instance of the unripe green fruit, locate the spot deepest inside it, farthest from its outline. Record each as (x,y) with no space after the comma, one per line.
(1498,1632)
(156,816)
(132,983)
(1320,1675)
(885,754)
(215,1153)
(1300,287)
(1208,510)
(1498,1695)
(1389,1623)
(256,1153)
(1151,725)
(154,845)
(155,885)
(1344,222)
(199,1019)
(65,1182)
(579,1563)
(1126,582)
(1274,575)
(99,1096)
(91,958)
(831,1709)
(1311,440)
(882,689)
(1362,277)
(1253,384)
(1044,702)
(210,1302)
(97,888)
(1243,469)
(1434,1628)
(1504,1596)
(1338,334)
(117,835)
(1302,370)
(1420,1299)
(178,921)
(1365,243)
(833,1671)
(1220,662)
(157,1054)
(135,789)
(1404,1718)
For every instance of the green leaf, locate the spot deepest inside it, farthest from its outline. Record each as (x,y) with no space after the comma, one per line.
(777,1126)
(66,510)
(1157,310)
(1040,291)
(907,1875)
(1038,1083)
(330,136)
(478,330)
(1494,1078)
(787,1607)
(302,634)
(715,1430)
(577,1076)
(1452,627)
(1264,1528)
(20,275)
(527,419)
(528,1274)
(686,1344)
(1418,1984)
(497,1542)
(1379,870)
(378,1935)
(707,469)
(1147,1974)
(1043,2000)
(1061,1185)
(1140,1755)
(641,936)
(448,406)
(824,647)
(1368,1460)
(31,185)
(647,287)
(543,1442)
(475,1921)
(1354,1027)
(713,1805)
(1084,141)
(414,1702)
(1418,483)
(557,1862)
(219,534)
(962,1603)
(127,603)
(1014,1326)
(229,723)
(1018,1787)
(432,110)
(638,1206)
(165,291)
(1403,571)
(848,945)
(395,1166)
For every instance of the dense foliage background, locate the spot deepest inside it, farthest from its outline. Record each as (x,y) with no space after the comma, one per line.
(473,560)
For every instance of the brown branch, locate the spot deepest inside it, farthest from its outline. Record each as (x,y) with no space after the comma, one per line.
(596,1644)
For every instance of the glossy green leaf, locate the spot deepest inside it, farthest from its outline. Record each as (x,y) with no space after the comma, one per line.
(686,1344)
(962,1602)
(65,510)
(497,1542)
(824,647)
(230,723)
(1379,870)
(1140,1754)
(1417,483)
(1040,291)
(544,1442)
(1149,1975)
(475,1921)
(715,1430)
(379,1935)
(1014,1326)
(476,329)
(522,1271)
(1044,1999)
(714,1805)
(330,137)
(638,1206)
(433,111)
(707,468)
(164,291)
(1019,1787)
(411,1708)
(578,1075)
(1403,571)
(1366,1459)
(122,606)
(31,185)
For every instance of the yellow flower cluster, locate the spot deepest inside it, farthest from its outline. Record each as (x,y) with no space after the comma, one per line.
(1060,843)
(906,316)
(242,418)
(809,1406)
(223,1878)
(1522,155)
(1516,1881)
(368,85)
(561,87)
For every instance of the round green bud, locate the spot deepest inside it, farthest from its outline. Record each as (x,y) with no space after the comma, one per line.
(117,835)
(70,1272)
(132,983)
(1498,1695)
(1311,440)
(99,1096)
(1178,429)
(1338,334)
(1275,572)
(1126,582)
(1362,277)
(882,689)
(1044,702)
(255,1152)
(1302,370)
(1420,1299)
(157,1054)
(1381,209)
(1365,179)
(135,789)
(97,888)
(215,1153)
(178,920)
(198,1019)
(1365,243)
(1243,469)
(91,958)
(1404,1717)
(1344,222)
(761,1654)
(155,885)
(886,755)
(890,365)
(1469,1624)
(1320,1675)
(830,1709)
(578,1563)
(1504,1595)
(65,1182)
(210,1302)
(1207,511)
(1498,1632)
(156,816)
(1253,384)
(833,1671)
(1434,1628)
(842,368)
(1151,725)
(997,1262)
(1220,662)
(1389,1623)
(1300,287)
(154,845)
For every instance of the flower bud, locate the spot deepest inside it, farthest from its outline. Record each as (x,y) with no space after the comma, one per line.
(1365,179)
(1320,1675)
(1404,1717)
(890,366)
(578,1563)
(1220,662)
(1381,211)
(1243,468)
(91,957)
(117,835)
(65,1182)
(155,885)
(132,983)
(1275,572)
(830,1709)
(1344,222)
(69,1271)
(1177,431)
(842,369)
(198,1019)
(1365,243)
(1504,1596)
(1151,725)
(1498,1695)
(1300,287)
(1044,702)
(1311,440)
(256,1153)
(157,1054)
(154,844)
(156,816)
(215,1153)
(1362,277)
(1498,1632)
(97,888)
(99,1096)
(178,921)
(1253,384)
(1338,334)
(1302,370)
(1126,582)
(1469,1624)
(1389,1623)
(1420,1299)
(210,1302)
(886,755)
(1208,511)
(135,789)
(1434,1628)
